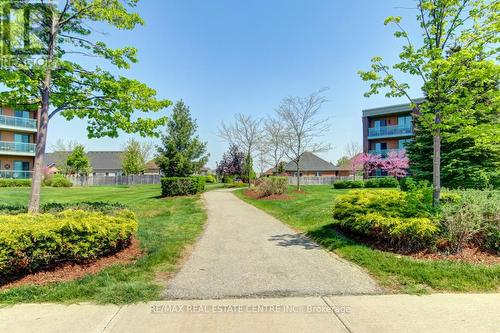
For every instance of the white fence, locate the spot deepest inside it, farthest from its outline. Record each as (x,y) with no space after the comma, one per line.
(114,180)
(318,180)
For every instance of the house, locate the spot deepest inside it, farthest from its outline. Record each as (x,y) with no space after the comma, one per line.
(18,133)
(387,129)
(313,165)
(103,163)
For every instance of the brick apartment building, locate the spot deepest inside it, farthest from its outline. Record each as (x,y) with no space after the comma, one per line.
(387,129)
(18,129)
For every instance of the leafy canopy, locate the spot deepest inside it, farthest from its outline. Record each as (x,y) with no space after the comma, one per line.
(181,153)
(106,101)
(78,162)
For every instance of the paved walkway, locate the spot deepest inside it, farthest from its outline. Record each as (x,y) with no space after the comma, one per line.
(245,252)
(336,314)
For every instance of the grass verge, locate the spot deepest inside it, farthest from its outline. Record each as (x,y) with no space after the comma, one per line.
(166,227)
(310,212)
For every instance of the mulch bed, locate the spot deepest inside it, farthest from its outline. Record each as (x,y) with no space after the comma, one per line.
(471,255)
(254,195)
(72,271)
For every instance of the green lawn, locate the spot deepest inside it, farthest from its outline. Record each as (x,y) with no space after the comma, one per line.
(166,226)
(311,213)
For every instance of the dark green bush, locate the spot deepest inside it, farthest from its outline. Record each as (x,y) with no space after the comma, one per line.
(349,184)
(57,180)
(386,216)
(8,182)
(29,242)
(174,186)
(382,182)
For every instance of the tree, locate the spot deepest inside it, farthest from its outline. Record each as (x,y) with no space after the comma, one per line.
(395,164)
(182,153)
(78,162)
(353,151)
(231,163)
(370,163)
(135,157)
(45,74)
(459,38)
(343,161)
(247,170)
(274,141)
(303,126)
(61,149)
(244,132)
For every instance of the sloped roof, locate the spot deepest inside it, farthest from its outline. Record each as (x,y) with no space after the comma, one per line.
(311,162)
(99,160)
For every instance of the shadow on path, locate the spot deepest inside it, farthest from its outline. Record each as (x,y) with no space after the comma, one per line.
(287,240)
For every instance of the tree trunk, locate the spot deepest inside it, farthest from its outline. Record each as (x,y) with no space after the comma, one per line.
(436,163)
(43,122)
(298,176)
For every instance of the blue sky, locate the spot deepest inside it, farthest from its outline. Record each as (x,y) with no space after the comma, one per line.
(229,56)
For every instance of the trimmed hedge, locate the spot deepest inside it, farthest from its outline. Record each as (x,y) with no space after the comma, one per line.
(382,182)
(175,186)
(349,184)
(15,182)
(385,215)
(31,242)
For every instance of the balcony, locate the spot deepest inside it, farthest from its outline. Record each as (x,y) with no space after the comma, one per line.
(15,174)
(17,148)
(18,123)
(383,152)
(389,131)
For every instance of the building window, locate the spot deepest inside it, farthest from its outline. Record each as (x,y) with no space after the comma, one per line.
(21,138)
(22,114)
(379,123)
(402,143)
(318,174)
(404,121)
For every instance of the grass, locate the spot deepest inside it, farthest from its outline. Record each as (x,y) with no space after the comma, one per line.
(166,226)
(310,212)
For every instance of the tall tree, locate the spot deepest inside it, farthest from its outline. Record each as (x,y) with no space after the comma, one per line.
(231,163)
(182,153)
(78,162)
(135,156)
(274,141)
(244,132)
(459,39)
(303,126)
(47,76)
(60,150)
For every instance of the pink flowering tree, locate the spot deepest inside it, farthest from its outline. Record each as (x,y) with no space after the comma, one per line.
(396,164)
(357,163)
(370,162)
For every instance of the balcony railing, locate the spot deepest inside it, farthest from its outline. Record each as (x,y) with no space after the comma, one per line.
(383,152)
(385,131)
(18,122)
(18,148)
(16,174)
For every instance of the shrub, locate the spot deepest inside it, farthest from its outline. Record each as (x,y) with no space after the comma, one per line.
(406,183)
(472,218)
(30,242)
(385,215)
(228,179)
(210,179)
(15,182)
(236,184)
(349,184)
(56,207)
(382,182)
(57,180)
(174,186)
(271,185)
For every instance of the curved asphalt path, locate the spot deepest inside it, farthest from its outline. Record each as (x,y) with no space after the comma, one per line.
(245,252)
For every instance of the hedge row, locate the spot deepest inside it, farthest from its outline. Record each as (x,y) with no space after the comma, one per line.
(56,207)
(382,182)
(15,182)
(175,186)
(271,185)
(31,242)
(386,215)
